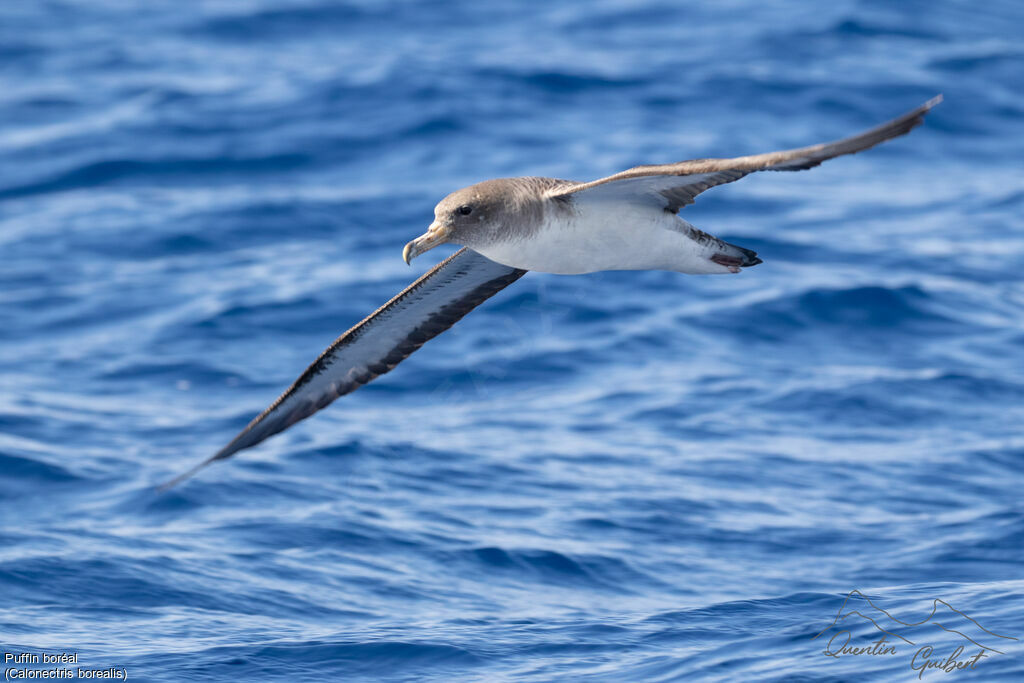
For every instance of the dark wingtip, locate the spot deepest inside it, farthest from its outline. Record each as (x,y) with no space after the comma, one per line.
(220,455)
(913,119)
(167,485)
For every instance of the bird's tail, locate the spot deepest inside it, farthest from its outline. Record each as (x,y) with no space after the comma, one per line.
(735,256)
(731,256)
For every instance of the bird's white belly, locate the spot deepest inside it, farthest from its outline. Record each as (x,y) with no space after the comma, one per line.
(605,236)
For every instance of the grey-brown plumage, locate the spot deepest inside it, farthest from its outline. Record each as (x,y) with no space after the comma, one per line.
(696,175)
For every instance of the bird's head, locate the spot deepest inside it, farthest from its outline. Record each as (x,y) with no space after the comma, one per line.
(464,217)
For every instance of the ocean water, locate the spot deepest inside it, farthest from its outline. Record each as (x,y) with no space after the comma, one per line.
(611,477)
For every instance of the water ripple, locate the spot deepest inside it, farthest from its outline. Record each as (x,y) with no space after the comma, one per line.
(617,476)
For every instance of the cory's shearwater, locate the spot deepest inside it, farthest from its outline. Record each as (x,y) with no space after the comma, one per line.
(627,221)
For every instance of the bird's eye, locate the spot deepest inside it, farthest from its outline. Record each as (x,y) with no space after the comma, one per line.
(465,209)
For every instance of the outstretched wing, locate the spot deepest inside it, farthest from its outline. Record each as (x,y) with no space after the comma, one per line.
(674,186)
(423,310)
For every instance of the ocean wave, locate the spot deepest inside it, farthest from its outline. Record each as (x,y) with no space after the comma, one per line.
(608,477)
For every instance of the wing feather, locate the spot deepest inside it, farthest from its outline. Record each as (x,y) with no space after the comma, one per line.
(423,310)
(676,185)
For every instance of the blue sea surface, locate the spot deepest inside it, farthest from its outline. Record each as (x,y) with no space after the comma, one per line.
(622,476)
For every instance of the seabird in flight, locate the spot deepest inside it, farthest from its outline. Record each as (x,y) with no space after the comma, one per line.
(627,221)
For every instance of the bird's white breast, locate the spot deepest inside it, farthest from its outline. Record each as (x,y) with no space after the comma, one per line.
(604,235)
